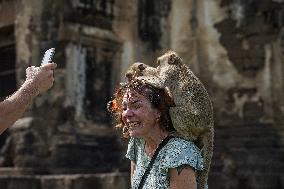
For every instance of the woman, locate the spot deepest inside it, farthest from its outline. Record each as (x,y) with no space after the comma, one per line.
(143,112)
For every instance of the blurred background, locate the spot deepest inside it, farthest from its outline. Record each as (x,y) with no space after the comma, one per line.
(66,140)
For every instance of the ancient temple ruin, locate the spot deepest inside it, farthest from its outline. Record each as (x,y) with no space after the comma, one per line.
(67,140)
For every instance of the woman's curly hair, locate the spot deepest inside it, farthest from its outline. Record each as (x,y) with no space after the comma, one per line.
(159,99)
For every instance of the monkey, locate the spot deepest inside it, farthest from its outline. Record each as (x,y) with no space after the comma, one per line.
(145,73)
(192,114)
(139,69)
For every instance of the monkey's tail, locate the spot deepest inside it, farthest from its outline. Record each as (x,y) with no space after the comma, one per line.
(207,153)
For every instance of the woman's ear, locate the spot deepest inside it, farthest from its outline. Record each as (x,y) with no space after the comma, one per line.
(158,117)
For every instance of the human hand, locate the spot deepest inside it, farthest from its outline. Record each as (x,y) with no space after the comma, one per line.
(40,78)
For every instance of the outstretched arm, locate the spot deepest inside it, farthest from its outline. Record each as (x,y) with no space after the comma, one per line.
(38,80)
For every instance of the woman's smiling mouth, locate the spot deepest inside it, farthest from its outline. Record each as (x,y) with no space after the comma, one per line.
(133,124)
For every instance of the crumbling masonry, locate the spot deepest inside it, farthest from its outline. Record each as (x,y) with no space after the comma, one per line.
(235,47)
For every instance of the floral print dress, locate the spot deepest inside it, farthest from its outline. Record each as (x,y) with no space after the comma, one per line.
(175,154)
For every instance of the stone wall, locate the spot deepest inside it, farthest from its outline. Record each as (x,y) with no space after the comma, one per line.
(234,46)
(103,181)
(67,129)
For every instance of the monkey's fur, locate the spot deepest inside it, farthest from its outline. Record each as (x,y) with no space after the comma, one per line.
(145,73)
(139,69)
(192,115)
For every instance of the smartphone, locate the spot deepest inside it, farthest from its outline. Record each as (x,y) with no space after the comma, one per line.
(48,55)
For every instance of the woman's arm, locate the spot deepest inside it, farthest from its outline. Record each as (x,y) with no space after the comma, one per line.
(183,179)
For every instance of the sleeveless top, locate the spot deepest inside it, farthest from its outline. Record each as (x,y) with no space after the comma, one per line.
(175,154)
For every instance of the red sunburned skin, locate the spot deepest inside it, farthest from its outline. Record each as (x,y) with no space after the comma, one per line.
(138,114)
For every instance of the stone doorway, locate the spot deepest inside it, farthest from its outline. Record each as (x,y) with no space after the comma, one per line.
(8,83)
(7,73)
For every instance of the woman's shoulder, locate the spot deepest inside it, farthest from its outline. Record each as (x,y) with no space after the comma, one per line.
(182,152)
(180,143)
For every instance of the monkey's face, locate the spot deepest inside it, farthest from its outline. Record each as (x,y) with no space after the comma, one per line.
(170,58)
(135,70)
(166,65)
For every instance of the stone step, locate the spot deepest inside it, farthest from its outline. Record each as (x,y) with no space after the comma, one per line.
(254,160)
(248,168)
(279,152)
(250,156)
(256,130)
(78,181)
(219,180)
(257,153)
(246,142)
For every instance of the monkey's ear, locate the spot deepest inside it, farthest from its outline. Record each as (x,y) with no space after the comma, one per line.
(172,59)
(142,67)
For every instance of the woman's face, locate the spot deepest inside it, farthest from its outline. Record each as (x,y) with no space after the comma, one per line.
(138,114)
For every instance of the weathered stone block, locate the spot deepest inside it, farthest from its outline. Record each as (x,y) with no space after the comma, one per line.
(102,181)
(24,182)
(54,182)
